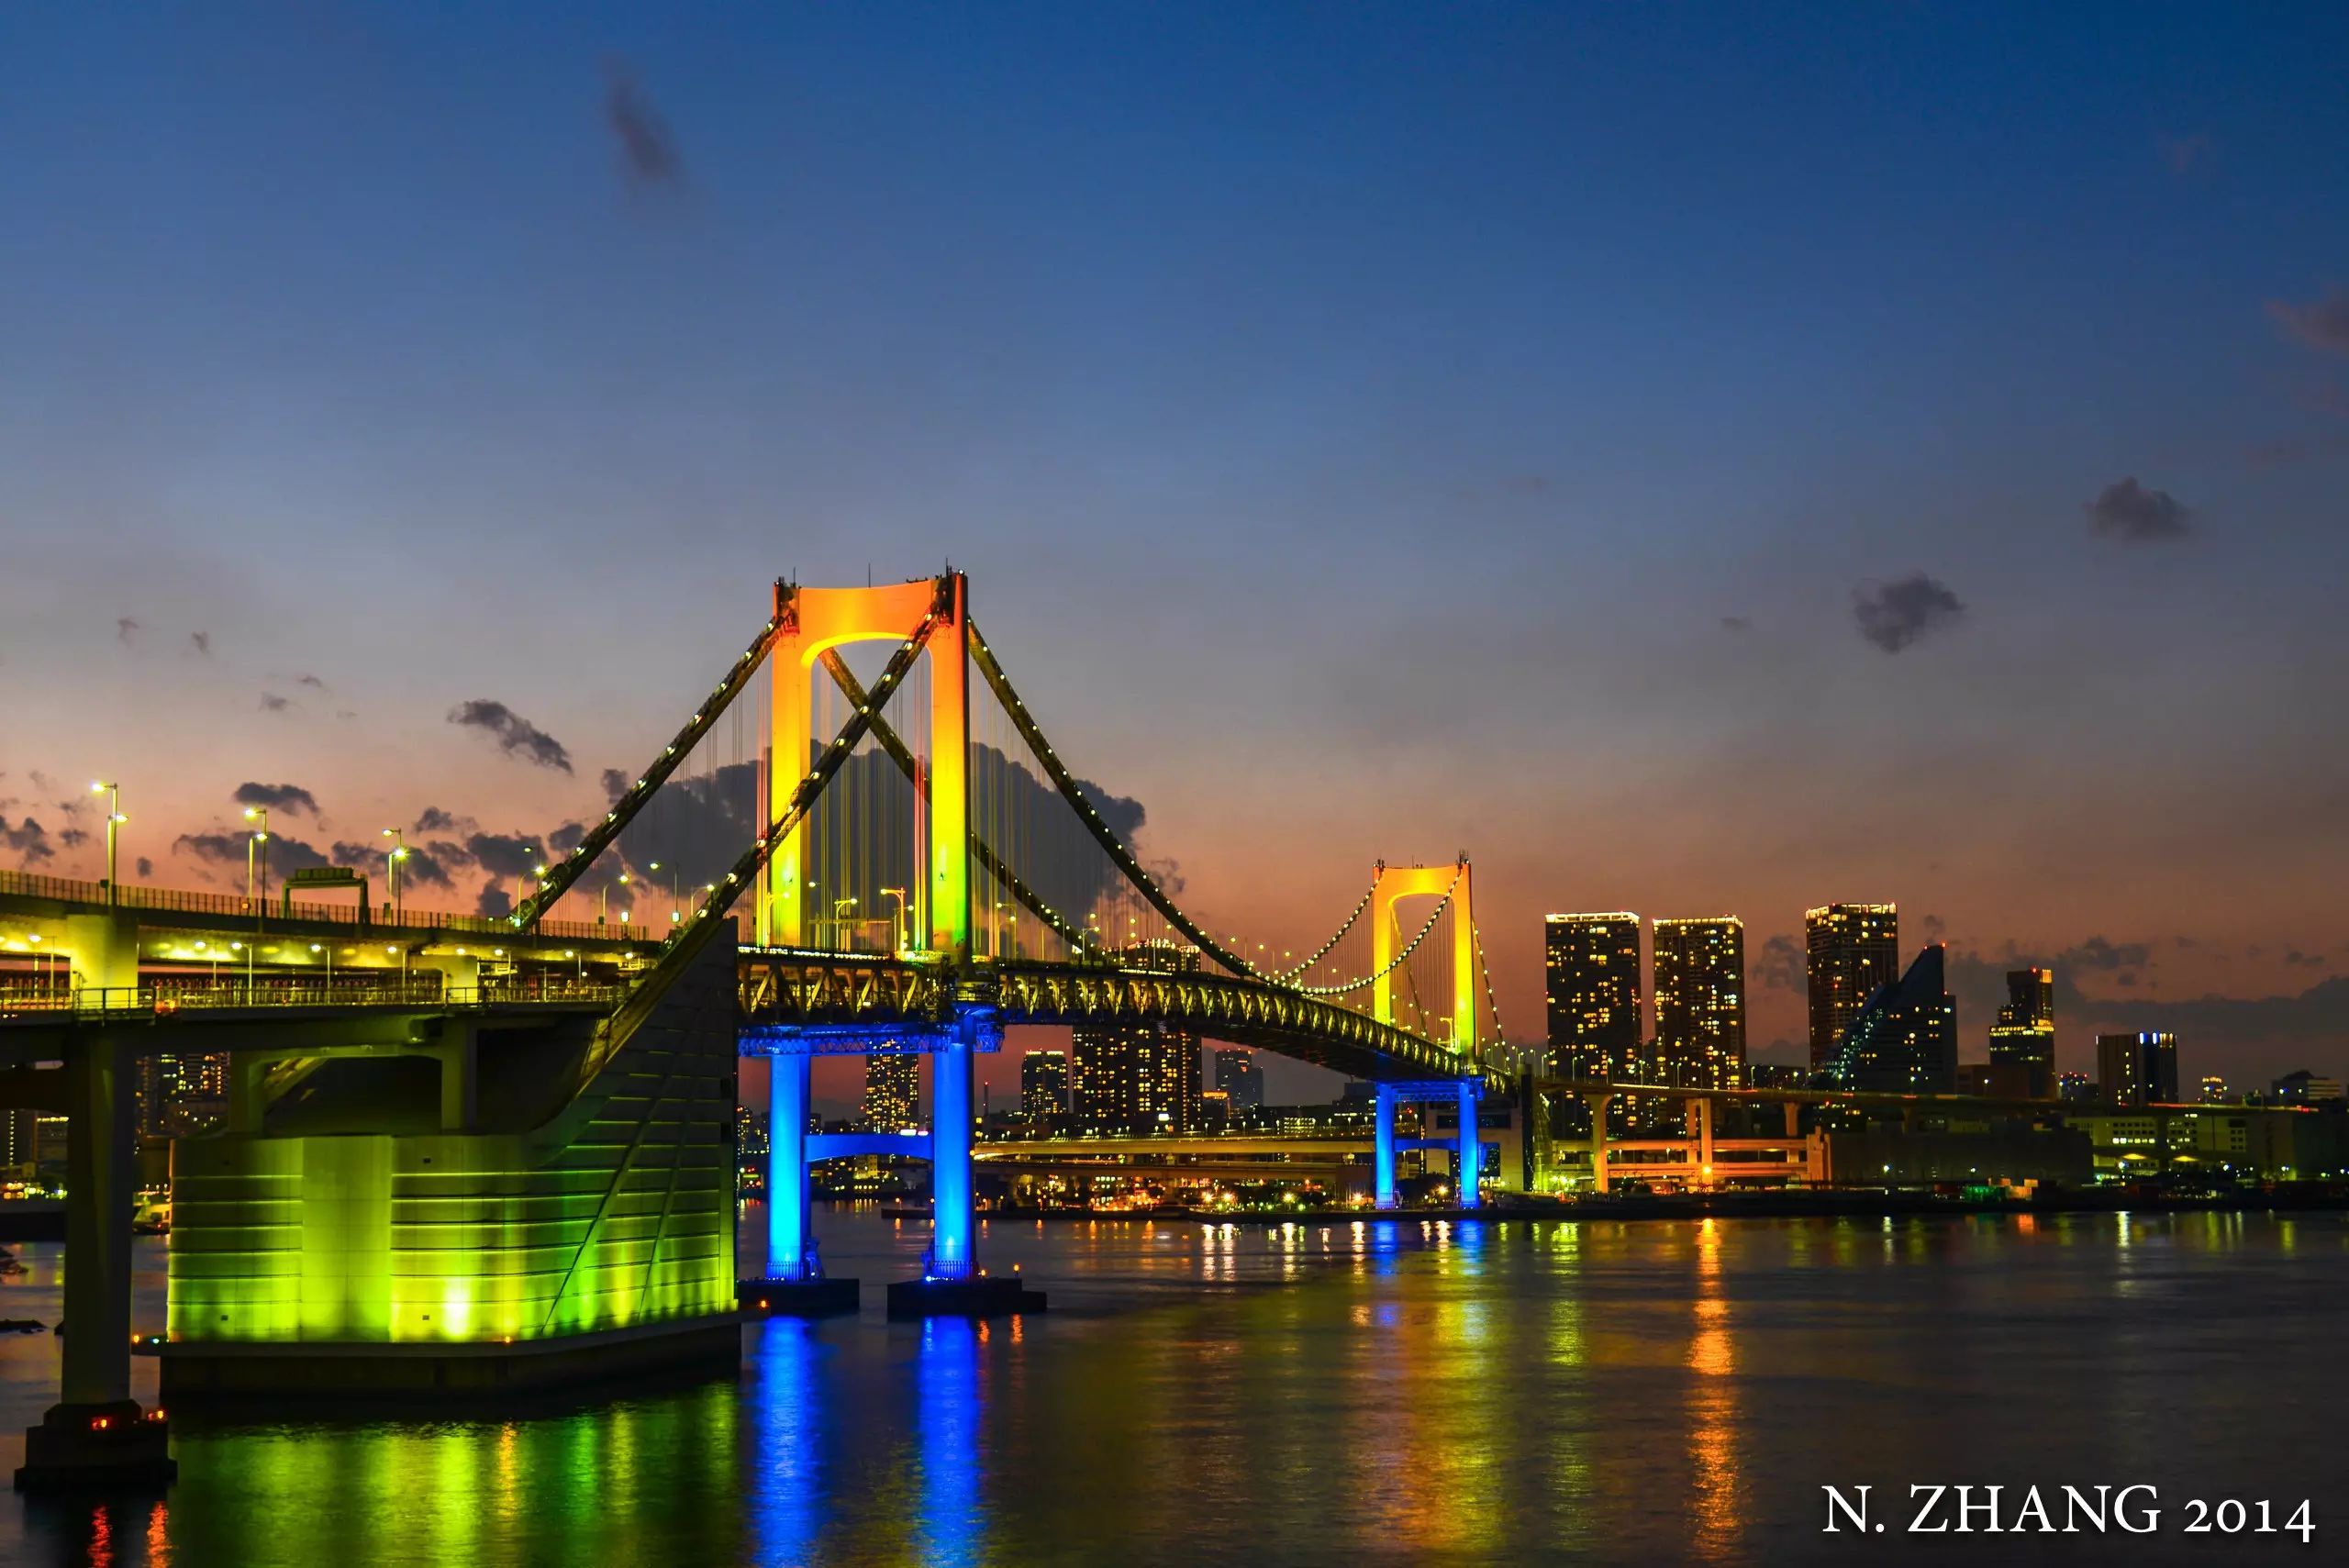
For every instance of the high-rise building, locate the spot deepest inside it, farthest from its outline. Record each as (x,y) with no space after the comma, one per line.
(182,1092)
(2075,1088)
(893,1092)
(1854,950)
(2137,1069)
(1905,1040)
(1592,965)
(2306,1088)
(2214,1090)
(2023,1040)
(1700,985)
(1139,1077)
(1044,1083)
(1239,1077)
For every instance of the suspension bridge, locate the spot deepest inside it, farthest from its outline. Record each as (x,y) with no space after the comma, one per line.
(477,1151)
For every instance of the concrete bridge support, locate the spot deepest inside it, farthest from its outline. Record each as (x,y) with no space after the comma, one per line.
(790,1245)
(1468,1162)
(1382,1149)
(95,1433)
(1598,1101)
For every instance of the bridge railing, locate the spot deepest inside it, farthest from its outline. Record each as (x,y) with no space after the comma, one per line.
(416,990)
(233,905)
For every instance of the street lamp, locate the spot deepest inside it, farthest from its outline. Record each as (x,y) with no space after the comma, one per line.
(897,919)
(398,853)
(258,842)
(604,907)
(114,819)
(674,914)
(839,921)
(326,949)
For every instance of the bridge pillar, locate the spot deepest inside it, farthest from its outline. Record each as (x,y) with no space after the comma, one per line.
(1701,1112)
(1383,1157)
(1794,1118)
(104,949)
(1597,1100)
(97,1432)
(1468,1163)
(953,1215)
(787,1230)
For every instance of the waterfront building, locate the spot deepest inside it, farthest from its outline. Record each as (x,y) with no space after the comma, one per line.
(183,1093)
(2213,1090)
(1905,1040)
(1853,951)
(1699,986)
(1237,1077)
(2075,1088)
(2306,1088)
(1044,1083)
(1592,970)
(2022,1042)
(2137,1069)
(893,1092)
(1139,1077)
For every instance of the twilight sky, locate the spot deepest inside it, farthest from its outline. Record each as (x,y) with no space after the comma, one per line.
(1699,459)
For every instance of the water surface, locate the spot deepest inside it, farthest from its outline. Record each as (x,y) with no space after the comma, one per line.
(1356,1393)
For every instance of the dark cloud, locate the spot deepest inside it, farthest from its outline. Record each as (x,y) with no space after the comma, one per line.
(615,783)
(1935,928)
(226,849)
(146,866)
(2099,956)
(125,631)
(292,799)
(422,866)
(2188,155)
(272,702)
(1736,623)
(27,840)
(2127,511)
(494,902)
(310,680)
(1784,964)
(505,856)
(2312,960)
(2322,324)
(74,838)
(201,641)
(432,819)
(516,736)
(648,152)
(1894,615)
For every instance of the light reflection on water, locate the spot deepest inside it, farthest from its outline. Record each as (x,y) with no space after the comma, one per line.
(1425,1392)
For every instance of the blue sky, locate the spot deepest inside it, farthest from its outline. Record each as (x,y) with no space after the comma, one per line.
(1385,406)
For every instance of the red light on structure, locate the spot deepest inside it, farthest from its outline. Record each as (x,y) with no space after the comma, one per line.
(100,1423)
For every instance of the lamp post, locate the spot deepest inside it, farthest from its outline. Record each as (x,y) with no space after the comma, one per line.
(328,948)
(603,905)
(114,819)
(674,914)
(897,920)
(393,858)
(840,922)
(258,844)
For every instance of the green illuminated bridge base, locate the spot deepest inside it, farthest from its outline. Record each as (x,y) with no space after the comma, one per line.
(581,1212)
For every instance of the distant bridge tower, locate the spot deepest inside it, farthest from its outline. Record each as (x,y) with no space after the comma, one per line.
(1393,883)
(810,622)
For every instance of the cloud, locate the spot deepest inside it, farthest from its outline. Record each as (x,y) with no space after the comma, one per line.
(422,866)
(432,819)
(2312,960)
(1736,624)
(226,850)
(292,799)
(648,152)
(1785,964)
(2188,155)
(146,866)
(516,736)
(27,840)
(2127,511)
(1894,615)
(2322,325)
(1935,928)
(272,702)
(201,641)
(615,783)
(310,680)
(2097,955)
(125,631)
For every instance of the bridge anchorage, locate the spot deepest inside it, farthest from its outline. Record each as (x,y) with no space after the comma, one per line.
(472,1153)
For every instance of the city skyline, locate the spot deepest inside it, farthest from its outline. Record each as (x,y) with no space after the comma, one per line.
(374,538)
